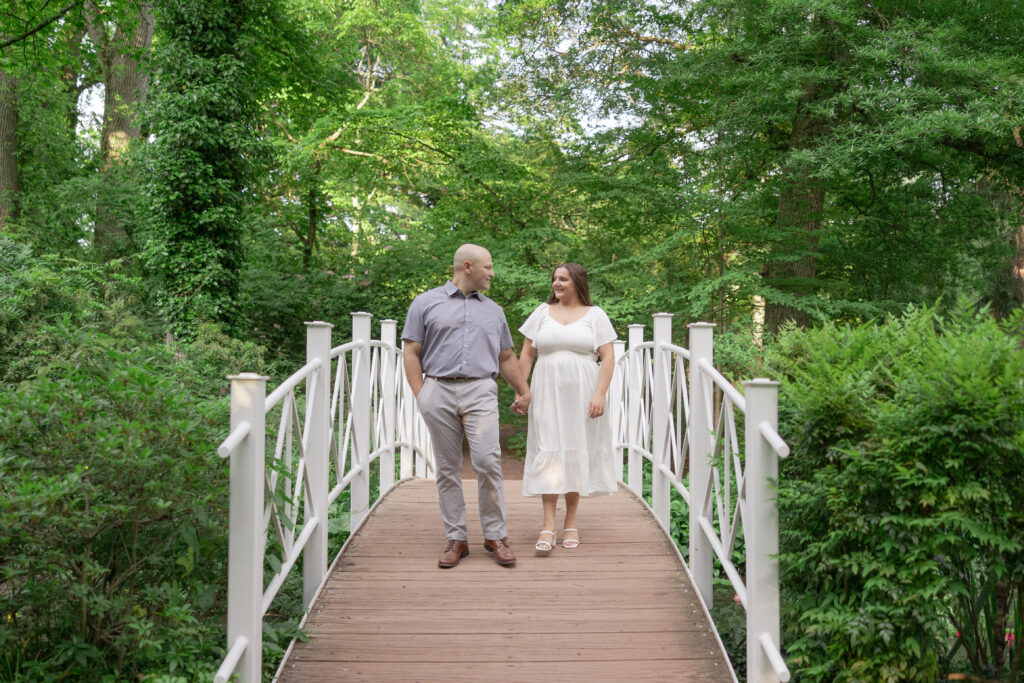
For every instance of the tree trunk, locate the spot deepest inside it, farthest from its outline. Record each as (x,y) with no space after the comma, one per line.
(10,185)
(71,77)
(125,85)
(800,209)
(1006,287)
(1018,266)
(801,203)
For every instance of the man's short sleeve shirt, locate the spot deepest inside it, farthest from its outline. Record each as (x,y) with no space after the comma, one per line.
(461,336)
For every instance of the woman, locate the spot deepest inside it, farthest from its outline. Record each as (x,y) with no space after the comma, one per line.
(569,442)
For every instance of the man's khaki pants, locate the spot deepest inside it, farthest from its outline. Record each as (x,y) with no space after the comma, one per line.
(451,410)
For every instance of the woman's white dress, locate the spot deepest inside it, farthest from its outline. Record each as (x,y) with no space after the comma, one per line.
(566,450)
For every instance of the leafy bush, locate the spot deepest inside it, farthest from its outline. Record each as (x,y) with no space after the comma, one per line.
(39,292)
(112,546)
(900,506)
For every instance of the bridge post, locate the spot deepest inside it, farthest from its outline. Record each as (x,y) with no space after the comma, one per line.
(615,408)
(634,388)
(359,494)
(406,462)
(701,552)
(388,396)
(245,536)
(660,487)
(761,529)
(317,455)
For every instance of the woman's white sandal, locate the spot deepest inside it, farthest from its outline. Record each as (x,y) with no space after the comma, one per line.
(570,543)
(543,548)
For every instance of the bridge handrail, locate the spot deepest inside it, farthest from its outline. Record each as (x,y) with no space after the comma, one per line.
(670,406)
(661,393)
(722,383)
(289,384)
(368,418)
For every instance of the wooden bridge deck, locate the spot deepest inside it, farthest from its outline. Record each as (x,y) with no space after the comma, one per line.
(619,607)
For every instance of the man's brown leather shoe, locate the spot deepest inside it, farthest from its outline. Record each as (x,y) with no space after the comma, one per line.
(503,554)
(452,553)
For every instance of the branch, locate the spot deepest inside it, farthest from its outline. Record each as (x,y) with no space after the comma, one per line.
(94,25)
(657,40)
(11,41)
(286,133)
(357,153)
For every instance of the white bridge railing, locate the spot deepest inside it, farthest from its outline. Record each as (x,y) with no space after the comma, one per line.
(671,407)
(326,431)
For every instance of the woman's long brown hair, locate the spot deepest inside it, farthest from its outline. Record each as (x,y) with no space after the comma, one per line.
(578,275)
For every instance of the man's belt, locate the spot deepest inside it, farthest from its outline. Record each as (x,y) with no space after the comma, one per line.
(454,379)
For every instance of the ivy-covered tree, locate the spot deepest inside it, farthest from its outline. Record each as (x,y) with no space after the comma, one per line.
(212,68)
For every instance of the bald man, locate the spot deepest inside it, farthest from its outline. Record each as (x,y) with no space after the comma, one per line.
(456,342)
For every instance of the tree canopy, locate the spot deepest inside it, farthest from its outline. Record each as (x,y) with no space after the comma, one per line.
(183,180)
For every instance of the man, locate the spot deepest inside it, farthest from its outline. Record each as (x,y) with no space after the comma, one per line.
(456,342)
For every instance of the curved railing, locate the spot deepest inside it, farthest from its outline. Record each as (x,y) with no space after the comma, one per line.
(673,409)
(350,406)
(325,431)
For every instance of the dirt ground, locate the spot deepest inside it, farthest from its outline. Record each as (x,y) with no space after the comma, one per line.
(511,462)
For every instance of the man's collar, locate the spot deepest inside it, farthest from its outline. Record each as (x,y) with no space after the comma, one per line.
(450,289)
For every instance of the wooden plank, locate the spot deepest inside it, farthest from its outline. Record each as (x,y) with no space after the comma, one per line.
(618,607)
(428,648)
(545,667)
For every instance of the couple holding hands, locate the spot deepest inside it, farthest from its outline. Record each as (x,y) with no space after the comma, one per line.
(456,342)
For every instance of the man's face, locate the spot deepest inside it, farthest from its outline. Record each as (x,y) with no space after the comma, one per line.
(481,271)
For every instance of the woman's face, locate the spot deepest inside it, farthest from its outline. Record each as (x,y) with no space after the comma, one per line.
(563,286)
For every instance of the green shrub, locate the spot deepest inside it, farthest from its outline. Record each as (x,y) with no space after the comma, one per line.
(112,509)
(37,293)
(901,503)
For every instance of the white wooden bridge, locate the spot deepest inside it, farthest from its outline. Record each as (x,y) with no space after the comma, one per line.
(624,605)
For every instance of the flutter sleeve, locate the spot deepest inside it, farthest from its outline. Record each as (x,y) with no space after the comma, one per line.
(530,328)
(604,333)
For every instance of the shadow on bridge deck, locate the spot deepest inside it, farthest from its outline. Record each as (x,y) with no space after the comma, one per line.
(619,607)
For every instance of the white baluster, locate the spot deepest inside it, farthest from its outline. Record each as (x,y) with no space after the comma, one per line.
(660,486)
(314,561)
(701,552)
(359,495)
(388,335)
(634,380)
(761,529)
(408,426)
(615,406)
(245,539)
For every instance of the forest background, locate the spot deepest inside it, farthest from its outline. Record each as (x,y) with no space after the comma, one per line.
(259,163)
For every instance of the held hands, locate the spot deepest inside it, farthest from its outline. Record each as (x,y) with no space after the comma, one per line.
(596,407)
(521,404)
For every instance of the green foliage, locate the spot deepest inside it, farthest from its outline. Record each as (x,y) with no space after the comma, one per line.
(204,154)
(37,293)
(112,549)
(902,496)
(701,122)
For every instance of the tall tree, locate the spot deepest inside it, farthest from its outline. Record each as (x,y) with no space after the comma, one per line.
(43,71)
(827,150)
(213,68)
(10,185)
(122,34)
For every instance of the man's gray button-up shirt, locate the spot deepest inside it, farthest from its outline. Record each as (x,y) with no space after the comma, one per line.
(461,336)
